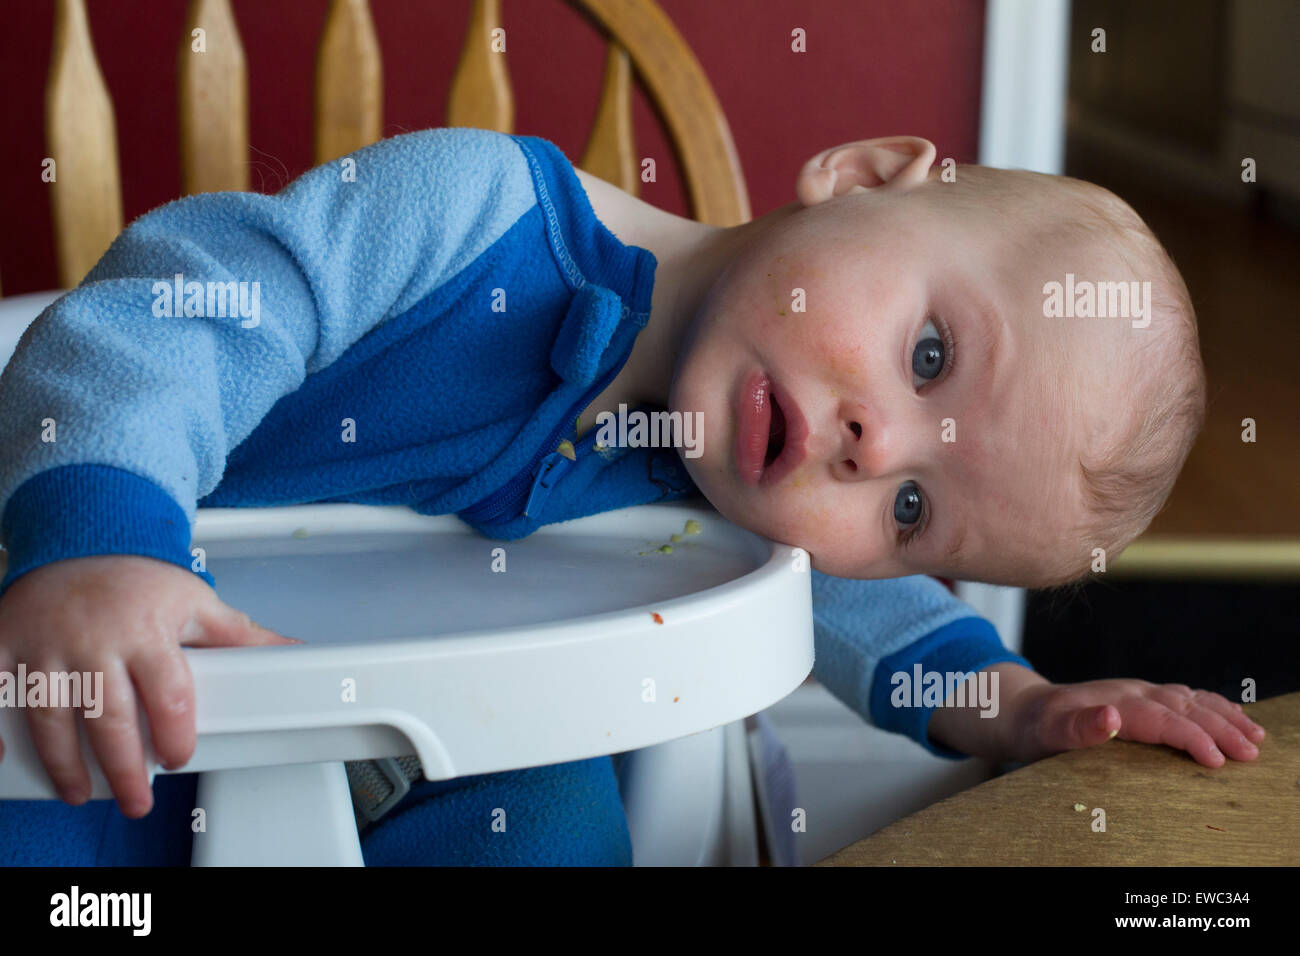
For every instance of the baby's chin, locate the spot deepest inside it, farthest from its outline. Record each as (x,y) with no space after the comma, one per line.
(715,490)
(722,503)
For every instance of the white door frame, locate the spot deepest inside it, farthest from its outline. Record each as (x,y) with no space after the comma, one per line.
(1022,103)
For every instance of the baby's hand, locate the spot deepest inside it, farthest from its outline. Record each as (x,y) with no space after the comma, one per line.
(1049,718)
(127,617)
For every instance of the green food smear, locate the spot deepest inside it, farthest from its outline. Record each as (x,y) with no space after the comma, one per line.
(692,527)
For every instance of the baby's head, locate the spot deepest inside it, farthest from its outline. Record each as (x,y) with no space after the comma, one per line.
(957,414)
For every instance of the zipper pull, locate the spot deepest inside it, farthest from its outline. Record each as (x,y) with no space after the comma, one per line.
(547,475)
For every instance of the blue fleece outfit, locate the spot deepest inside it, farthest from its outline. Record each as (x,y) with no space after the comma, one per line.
(452,295)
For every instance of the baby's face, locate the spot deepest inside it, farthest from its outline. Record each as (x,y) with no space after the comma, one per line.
(933,421)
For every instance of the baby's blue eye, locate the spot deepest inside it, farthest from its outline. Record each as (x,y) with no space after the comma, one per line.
(907,504)
(928,356)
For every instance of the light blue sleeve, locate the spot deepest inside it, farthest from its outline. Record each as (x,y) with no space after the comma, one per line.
(112,402)
(867,631)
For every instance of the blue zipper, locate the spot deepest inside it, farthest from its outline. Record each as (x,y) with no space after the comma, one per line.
(553,466)
(533,481)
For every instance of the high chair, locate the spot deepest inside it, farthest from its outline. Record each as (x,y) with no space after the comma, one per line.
(270,757)
(478,656)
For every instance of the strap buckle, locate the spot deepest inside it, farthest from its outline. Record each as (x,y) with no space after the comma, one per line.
(363,801)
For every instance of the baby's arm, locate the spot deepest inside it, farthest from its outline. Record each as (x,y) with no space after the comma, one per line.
(1037,718)
(129,412)
(872,636)
(117,414)
(878,640)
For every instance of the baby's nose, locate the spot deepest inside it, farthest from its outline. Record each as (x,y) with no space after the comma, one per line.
(868,449)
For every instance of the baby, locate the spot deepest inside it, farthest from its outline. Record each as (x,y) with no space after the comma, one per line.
(883,372)
(929,416)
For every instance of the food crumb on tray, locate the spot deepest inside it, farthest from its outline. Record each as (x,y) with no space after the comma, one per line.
(692,527)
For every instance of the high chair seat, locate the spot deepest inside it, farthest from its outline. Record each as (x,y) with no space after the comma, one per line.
(478,656)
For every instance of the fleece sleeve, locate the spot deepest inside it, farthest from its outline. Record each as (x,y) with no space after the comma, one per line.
(122,401)
(865,632)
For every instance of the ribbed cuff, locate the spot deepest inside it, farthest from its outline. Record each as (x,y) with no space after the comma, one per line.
(77,511)
(966,645)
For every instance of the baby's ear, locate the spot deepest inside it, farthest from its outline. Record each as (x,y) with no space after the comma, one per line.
(888,163)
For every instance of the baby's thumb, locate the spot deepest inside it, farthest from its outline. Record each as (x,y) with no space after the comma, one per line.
(1089,726)
(225,626)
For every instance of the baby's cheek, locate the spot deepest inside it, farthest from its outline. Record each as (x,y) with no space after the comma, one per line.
(848,539)
(806,519)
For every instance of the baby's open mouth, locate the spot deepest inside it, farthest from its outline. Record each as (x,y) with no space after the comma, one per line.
(787,437)
(770,436)
(776,434)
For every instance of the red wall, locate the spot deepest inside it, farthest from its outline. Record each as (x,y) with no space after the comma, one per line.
(872,68)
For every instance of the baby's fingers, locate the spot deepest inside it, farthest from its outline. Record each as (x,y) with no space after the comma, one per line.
(6,667)
(166,688)
(1192,705)
(115,738)
(54,735)
(1232,713)
(1151,722)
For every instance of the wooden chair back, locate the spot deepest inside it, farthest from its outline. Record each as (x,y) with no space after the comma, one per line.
(213,86)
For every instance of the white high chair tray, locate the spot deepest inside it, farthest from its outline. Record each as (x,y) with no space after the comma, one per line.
(415,644)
